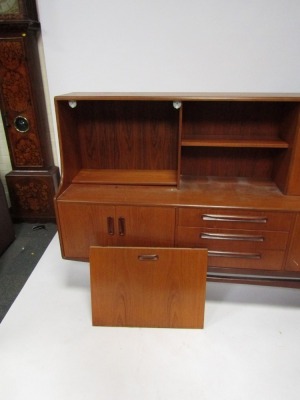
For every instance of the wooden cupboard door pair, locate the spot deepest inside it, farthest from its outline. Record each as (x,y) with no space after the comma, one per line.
(85,225)
(148,287)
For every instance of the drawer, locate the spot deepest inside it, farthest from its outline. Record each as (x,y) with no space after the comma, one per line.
(271,260)
(234,219)
(231,239)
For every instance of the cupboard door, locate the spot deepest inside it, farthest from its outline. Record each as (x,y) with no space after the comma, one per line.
(84,225)
(148,287)
(293,261)
(145,226)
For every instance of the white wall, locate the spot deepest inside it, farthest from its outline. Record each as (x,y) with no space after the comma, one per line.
(170,45)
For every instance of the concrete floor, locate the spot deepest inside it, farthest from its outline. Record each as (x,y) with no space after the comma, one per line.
(249,348)
(19,260)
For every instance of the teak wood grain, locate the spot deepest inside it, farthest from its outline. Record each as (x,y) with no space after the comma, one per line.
(128,135)
(127,177)
(148,287)
(221,142)
(158,165)
(84,225)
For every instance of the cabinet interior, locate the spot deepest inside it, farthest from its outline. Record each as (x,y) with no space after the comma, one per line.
(125,142)
(241,139)
(150,142)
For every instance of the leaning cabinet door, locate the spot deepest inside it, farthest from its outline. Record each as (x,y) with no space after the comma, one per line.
(145,226)
(85,225)
(148,286)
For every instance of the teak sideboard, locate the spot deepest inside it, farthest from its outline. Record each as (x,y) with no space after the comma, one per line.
(215,171)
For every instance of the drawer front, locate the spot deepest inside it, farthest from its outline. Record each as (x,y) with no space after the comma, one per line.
(271,260)
(234,219)
(231,239)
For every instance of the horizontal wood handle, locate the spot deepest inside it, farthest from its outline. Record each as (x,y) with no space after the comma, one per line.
(148,257)
(229,236)
(231,254)
(234,218)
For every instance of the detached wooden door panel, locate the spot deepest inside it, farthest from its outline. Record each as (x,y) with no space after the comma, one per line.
(148,287)
(85,225)
(146,226)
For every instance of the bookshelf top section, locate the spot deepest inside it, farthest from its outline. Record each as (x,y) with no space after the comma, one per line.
(179,96)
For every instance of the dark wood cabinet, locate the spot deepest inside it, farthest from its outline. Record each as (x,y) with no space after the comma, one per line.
(184,170)
(34,177)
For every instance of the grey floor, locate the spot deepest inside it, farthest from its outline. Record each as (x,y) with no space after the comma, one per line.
(20,259)
(249,347)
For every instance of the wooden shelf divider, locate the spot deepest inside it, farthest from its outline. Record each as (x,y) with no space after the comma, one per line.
(190,141)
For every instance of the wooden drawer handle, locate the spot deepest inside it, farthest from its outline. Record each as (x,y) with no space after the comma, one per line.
(254,256)
(148,257)
(110,226)
(234,218)
(228,236)
(122,229)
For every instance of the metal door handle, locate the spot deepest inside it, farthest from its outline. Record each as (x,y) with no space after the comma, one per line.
(230,254)
(229,236)
(234,218)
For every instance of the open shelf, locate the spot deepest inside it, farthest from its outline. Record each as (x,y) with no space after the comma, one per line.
(127,177)
(234,192)
(198,141)
(230,161)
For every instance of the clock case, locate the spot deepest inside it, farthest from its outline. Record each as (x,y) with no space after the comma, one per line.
(34,178)
(27,12)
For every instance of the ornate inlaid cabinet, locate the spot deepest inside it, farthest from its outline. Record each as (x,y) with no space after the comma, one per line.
(34,178)
(216,171)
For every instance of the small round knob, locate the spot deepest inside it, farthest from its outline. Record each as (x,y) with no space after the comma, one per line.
(73,103)
(177,104)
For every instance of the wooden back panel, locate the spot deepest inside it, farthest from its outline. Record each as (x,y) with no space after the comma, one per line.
(128,135)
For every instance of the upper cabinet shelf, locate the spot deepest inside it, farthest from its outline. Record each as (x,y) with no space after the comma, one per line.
(221,142)
(231,121)
(163,139)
